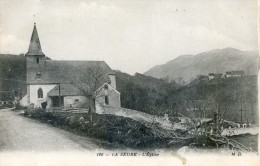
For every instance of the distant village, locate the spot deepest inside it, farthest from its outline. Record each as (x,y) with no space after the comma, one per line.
(216,76)
(236,73)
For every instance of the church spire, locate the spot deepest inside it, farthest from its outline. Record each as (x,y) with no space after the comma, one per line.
(35,45)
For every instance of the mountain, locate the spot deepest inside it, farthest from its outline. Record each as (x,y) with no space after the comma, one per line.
(187,67)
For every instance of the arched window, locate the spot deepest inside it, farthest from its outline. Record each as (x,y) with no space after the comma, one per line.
(37,60)
(38,75)
(106,87)
(40,93)
(106,100)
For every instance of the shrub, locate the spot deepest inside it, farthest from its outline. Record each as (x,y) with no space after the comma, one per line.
(19,107)
(110,128)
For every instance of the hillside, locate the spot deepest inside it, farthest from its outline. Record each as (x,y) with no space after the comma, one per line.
(12,75)
(143,93)
(226,95)
(200,98)
(187,67)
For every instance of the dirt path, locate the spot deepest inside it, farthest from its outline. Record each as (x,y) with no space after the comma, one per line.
(18,133)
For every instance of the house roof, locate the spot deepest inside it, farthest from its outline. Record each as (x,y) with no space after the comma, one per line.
(98,90)
(65,72)
(35,45)
(65,90)
(236,72)
(215,74)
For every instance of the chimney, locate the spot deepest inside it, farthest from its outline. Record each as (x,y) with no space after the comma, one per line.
(112,77)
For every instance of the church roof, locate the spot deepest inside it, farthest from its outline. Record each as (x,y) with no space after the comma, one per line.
(65,90)
(35,45)
(53,72)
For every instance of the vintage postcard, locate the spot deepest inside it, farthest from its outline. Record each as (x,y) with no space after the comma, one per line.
(129,82)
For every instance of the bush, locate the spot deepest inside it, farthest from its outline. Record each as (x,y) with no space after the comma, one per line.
(37,113)
(6,106)
(110,128)
(19,107)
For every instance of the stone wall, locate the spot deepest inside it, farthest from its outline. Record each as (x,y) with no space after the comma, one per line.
(133,114)
(75,101)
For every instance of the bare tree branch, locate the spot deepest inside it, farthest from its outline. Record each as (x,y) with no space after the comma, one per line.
(89,82)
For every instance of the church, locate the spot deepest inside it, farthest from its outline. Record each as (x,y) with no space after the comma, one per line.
(67,84)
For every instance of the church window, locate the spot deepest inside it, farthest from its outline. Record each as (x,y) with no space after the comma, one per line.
(106,100)
(37,60)
(40,93)
(38,75)
(106,87)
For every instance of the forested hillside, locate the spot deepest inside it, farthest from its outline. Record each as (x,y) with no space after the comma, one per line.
(198,99)
(12,76)
(144,93)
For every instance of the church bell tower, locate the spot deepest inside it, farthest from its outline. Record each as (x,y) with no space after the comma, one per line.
(35,60)
(35,54)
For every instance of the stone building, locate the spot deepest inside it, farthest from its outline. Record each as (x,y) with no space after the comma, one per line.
(236,73)
(51,83)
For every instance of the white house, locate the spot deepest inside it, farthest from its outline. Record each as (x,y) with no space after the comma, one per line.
(236,73)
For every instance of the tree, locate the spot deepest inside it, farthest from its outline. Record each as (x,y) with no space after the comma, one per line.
(89,83)
(180,81)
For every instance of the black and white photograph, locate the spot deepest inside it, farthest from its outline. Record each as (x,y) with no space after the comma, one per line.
(129,82)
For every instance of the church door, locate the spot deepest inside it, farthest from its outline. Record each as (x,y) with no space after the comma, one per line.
(57,101)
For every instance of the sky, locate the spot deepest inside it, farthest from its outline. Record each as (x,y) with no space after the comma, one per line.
(130,35)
